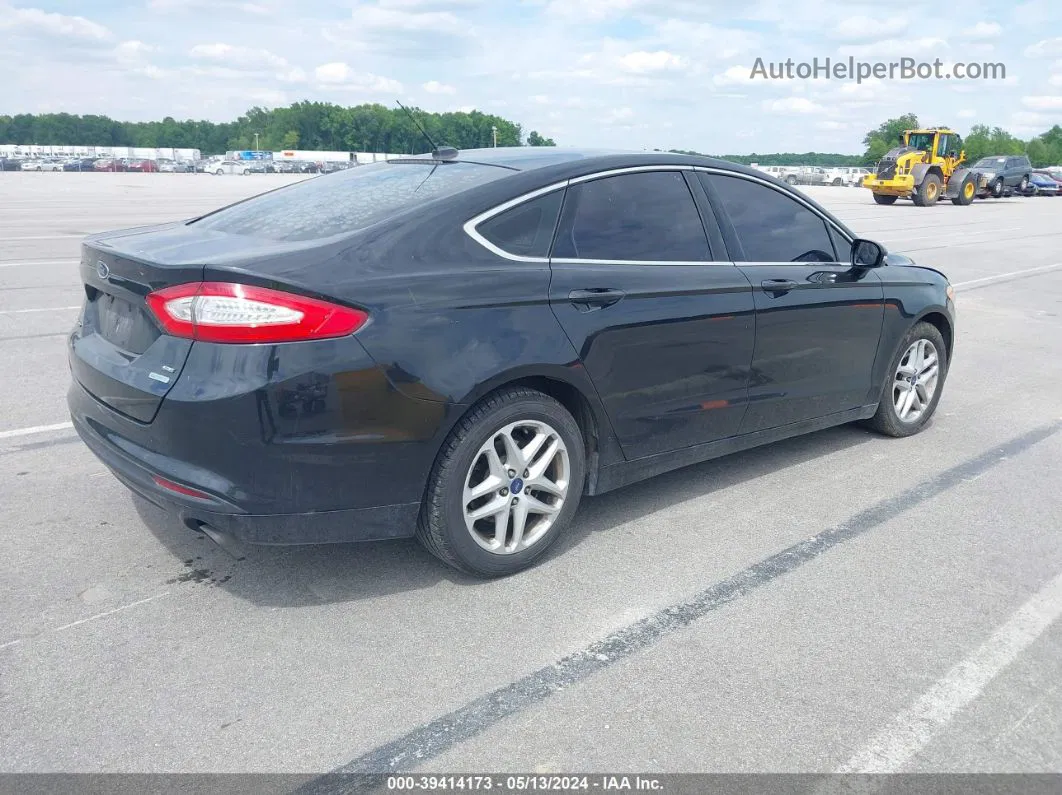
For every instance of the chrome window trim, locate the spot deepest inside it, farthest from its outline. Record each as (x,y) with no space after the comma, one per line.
(471,225)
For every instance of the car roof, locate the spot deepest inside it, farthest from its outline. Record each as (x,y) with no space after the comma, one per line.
(571,159)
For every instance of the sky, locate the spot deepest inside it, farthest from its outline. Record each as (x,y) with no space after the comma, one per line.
(612,73)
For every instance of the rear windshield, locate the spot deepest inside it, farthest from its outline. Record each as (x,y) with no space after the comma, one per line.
(347,200)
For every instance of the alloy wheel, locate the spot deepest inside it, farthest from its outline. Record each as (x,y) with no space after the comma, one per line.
(516,487)
(915,382)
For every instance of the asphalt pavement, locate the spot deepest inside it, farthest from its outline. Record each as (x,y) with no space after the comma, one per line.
(839,601)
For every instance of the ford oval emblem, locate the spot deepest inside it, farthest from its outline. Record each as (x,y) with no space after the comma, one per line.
(102,270)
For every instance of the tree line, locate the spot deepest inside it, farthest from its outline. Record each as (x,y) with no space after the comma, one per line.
(303,125)
(377,128)
(982,141)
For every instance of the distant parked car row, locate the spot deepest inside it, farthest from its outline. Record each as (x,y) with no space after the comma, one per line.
(848,176)
(215,165)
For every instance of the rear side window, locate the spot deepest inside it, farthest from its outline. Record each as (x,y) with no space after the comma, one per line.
(347,200)
(527,229)
(645,216)
(771,226)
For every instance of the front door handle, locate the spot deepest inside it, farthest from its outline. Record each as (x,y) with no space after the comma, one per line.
(778,286)
(595,298)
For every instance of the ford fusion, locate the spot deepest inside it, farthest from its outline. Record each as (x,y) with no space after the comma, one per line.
(459,346)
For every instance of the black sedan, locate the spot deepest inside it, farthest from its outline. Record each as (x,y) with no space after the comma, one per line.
(460,346)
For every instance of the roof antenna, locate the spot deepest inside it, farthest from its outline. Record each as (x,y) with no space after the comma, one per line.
(439,153)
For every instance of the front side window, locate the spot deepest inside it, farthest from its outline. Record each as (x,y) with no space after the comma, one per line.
(645,216)
(771,226)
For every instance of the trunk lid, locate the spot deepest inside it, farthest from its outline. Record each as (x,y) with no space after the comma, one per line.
(118,352)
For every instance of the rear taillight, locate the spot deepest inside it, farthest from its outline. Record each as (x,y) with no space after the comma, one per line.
(226,312)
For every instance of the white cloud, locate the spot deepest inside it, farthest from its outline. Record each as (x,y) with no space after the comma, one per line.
(1055,80)
(831,126)
(340,75)
(1043,102)
(619,115)
(257,7)
(435,87)
(641,62)
(1045,48)
(34,21)
(983,30)
(862,28)
(247,57)
(895,47)
(132,51)
(735,75)
(967,113)
(793,105)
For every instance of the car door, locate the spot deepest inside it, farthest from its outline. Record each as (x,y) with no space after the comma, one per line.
(660,318)
(818,318)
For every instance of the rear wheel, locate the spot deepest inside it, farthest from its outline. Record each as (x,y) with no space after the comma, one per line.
(220,171)
(791,180)
(505,485)
(927,193)
(837,182)
(914,383)
(967,191)
(882,198)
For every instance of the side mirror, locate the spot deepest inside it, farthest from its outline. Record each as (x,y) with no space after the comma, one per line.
(867,253)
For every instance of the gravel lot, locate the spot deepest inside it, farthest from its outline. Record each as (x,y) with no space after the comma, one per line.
(837,601)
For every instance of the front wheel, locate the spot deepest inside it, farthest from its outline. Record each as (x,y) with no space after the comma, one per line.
(1024,183)
(967,191)
(914,383)
(505,485)
(997,188)
(882,198)
(220,171)
(927,192)
(837,182)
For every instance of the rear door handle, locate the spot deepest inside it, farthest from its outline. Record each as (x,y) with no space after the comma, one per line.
(778,286)
(595,298)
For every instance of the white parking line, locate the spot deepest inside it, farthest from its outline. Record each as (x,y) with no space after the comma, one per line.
(1001,276)
(912,729)
(41,309)
(59,426)
(111,612)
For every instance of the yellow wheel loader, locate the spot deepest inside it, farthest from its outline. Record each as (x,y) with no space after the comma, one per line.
(925,167)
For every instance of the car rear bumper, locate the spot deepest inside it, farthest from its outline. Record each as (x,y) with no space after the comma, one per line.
(137,469)
(277,444)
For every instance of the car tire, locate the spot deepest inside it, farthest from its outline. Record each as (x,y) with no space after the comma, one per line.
(837,182)
(882,198)
(967,191)
(220,172)
(889,419)
(1024,186)
(791,180)
(997,188)
(927,192)
(445,526)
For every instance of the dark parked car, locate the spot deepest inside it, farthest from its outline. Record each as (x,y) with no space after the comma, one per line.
(81,164)
(1042,183)
(109,164)
(460,346)
(995,174)
(10,164)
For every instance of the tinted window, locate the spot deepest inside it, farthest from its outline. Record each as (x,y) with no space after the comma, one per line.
(527,229)
(771,226)
(643,216)
(347,200)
